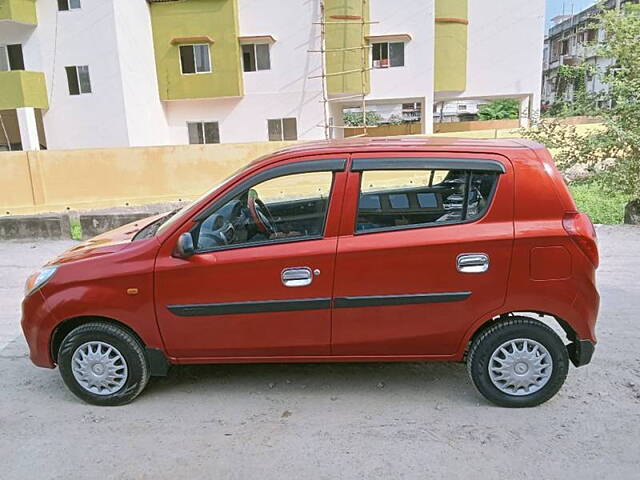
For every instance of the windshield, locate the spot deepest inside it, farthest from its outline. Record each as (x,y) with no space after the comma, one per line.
(176,215)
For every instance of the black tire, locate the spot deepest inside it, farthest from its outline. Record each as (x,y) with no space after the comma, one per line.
(488,341)
(126,344)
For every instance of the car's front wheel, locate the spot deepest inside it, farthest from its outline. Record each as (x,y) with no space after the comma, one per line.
(103,364)
(519,362)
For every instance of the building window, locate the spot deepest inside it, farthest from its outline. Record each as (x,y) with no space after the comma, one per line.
(412,112)
(256,57)
(282,129)
(195,58)
(11,57)
(78,79)
(64,5)
(203,132)
(385,55)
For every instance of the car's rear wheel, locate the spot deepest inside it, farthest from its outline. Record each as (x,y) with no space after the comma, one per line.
(519,362)
(103,364)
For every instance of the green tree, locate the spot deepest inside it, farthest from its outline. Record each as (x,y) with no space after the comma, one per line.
(354,119)
(611,154)
(505,108)
(583,103)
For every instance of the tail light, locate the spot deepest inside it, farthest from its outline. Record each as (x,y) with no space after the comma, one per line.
(581,230)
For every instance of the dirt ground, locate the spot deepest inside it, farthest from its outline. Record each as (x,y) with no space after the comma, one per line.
(328,421)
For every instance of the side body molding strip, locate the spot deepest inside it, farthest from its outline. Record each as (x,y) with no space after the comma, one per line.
(266,306)
(197,310)
(383,300)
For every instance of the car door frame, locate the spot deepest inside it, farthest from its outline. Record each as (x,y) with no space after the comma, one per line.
(290,165)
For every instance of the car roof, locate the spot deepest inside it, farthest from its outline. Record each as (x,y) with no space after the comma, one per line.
(399,144)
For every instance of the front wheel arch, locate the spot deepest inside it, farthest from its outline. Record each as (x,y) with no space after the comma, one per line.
(66,326)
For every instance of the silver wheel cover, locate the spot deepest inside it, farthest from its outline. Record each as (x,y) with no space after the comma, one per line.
(99,368)
(520,367)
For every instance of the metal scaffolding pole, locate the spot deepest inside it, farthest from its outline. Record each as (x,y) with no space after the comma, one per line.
(364,49)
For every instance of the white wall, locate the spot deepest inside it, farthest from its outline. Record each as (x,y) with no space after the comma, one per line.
(245,119)
(505,49)
(286,90)
(390,87)
(416,19)
(281,92)
(86,36)
(145,117)
(11,33)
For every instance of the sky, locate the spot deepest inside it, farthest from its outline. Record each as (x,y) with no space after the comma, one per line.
(554,7)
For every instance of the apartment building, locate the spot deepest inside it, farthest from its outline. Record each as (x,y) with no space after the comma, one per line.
(572,40)
(115,73)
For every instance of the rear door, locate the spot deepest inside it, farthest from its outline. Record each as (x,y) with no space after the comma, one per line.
(424,251)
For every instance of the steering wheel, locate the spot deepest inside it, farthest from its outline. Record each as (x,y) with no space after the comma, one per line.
(261,215)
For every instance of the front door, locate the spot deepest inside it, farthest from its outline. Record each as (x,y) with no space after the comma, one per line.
(261,280)
(424,251)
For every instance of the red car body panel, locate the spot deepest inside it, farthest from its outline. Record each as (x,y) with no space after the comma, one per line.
(419,261)
(535,267)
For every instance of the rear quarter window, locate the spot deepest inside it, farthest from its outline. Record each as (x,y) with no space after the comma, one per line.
(391,199)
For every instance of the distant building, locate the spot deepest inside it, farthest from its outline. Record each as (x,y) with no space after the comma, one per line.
(457,111)
(118,73)
(572,40)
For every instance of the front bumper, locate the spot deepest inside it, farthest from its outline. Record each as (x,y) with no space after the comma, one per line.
(37,328)
(581,351)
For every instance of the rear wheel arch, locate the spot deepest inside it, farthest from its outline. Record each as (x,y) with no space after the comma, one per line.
(546,318)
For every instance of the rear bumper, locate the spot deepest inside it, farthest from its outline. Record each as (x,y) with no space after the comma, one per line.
(581,351)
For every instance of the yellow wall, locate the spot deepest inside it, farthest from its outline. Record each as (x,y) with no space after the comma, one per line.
(217,19)
(22,88)
(450,44)
(386,130)
(344,33)
(22,11)
(475,125)
(54,180)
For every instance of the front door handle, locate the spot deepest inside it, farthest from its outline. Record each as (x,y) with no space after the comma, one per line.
(472,262)
(297,277)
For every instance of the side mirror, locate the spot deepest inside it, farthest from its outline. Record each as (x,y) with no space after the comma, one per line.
(184,248)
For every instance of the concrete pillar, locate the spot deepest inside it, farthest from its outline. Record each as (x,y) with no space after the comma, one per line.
(427,115)
(28,128)
(525,111)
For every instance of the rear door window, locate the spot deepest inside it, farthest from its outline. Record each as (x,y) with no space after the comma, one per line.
(391,199)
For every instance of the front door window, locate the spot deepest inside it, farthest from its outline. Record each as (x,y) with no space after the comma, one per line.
(292,207)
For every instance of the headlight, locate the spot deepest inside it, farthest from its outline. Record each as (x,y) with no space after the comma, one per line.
(38,279)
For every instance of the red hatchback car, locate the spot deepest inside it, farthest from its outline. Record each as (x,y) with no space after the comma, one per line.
(351,251)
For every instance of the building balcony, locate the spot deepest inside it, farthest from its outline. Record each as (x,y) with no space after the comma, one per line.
(19,11)
(212,24)
(22,88)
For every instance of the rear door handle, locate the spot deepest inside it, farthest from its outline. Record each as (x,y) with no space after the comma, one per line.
(472,262)
(297,277)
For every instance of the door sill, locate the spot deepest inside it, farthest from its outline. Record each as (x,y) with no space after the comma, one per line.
(315,359)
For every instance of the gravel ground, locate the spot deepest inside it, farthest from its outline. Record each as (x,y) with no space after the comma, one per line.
(328,421)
